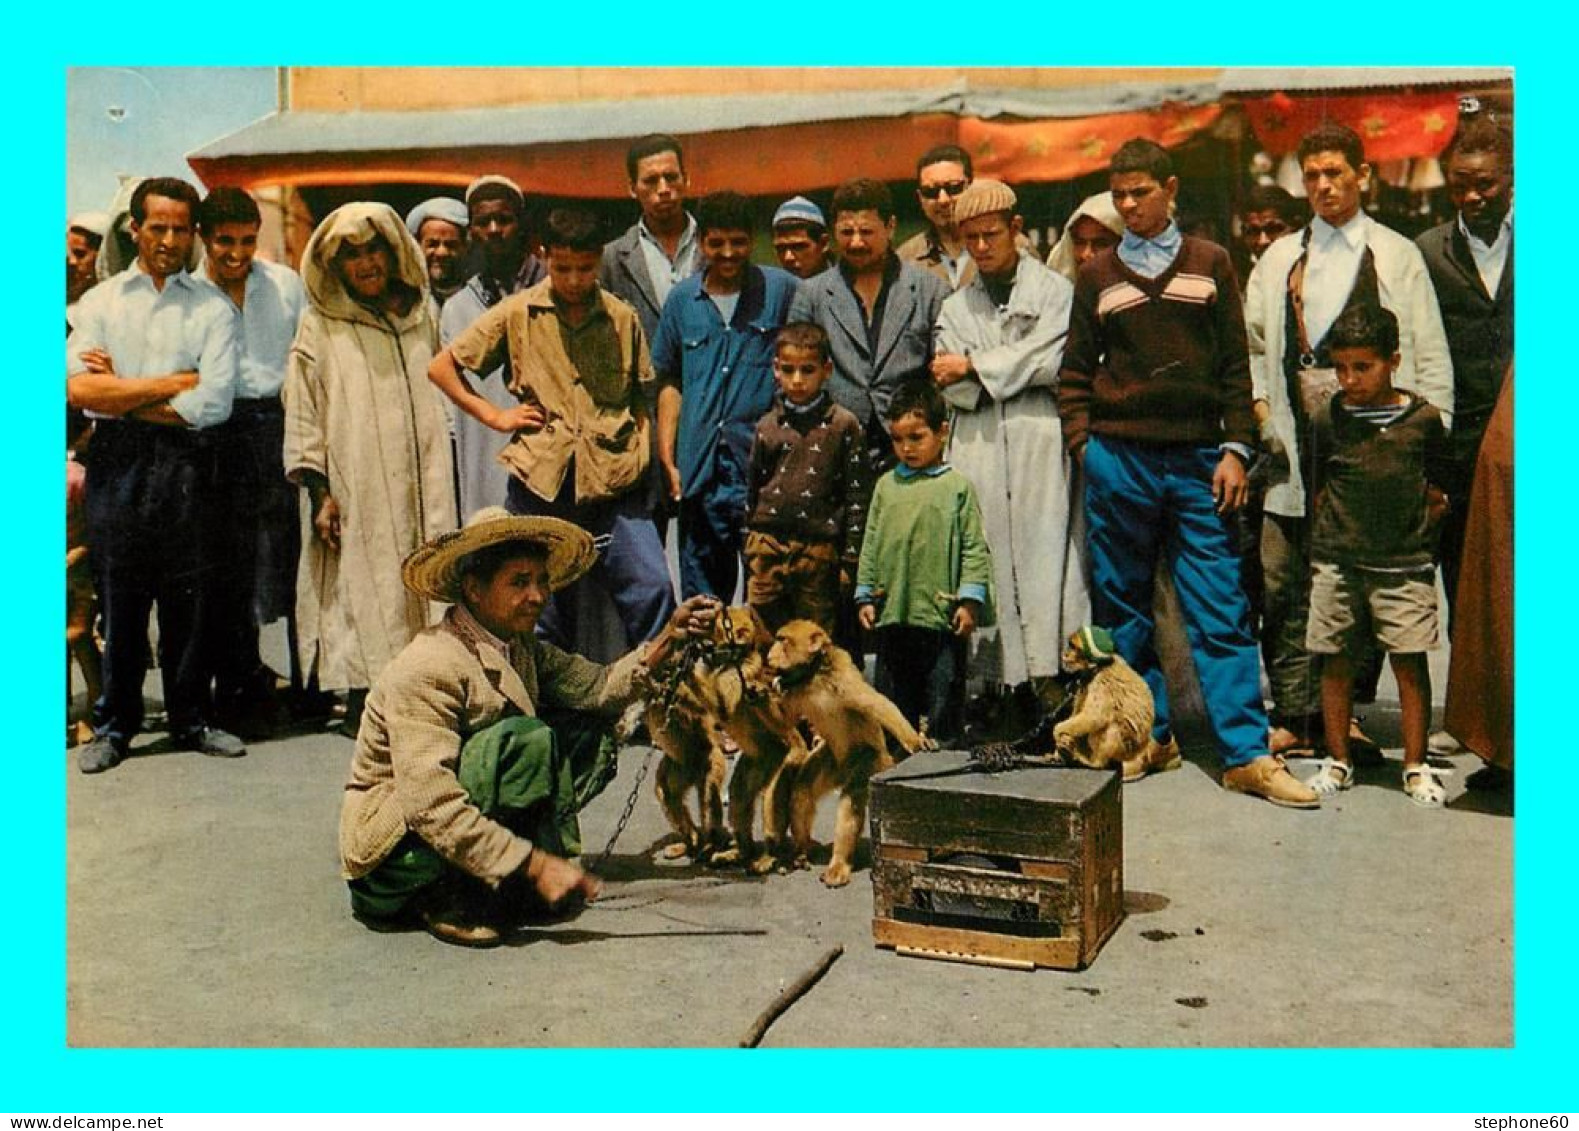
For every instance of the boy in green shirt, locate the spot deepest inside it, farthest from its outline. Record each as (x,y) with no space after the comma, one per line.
(925,575)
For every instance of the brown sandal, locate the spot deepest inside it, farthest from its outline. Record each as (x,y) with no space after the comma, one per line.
(1286,744)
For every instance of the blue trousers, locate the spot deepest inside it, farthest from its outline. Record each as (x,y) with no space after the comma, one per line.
(712,528)
(150,519)
(1145,500)
(630,567)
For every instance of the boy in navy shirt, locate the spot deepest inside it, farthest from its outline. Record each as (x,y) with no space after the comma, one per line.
(1378,453)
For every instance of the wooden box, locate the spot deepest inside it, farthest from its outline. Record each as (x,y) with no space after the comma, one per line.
(1019,868)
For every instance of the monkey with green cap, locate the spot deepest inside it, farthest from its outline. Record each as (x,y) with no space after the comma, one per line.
(1111,716)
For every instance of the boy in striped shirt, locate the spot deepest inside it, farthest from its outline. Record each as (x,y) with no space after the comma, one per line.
(1378,453)
(1154,396)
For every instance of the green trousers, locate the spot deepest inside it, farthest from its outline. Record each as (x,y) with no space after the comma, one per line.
(531,775)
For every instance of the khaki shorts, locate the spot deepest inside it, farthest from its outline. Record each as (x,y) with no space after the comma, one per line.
(1398,610)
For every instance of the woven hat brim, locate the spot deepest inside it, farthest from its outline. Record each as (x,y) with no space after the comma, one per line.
(433,569)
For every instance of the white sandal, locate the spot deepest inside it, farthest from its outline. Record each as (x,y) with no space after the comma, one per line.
(1420,783)
(1332,777)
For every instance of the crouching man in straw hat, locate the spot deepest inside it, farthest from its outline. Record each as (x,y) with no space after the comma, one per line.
(481,742)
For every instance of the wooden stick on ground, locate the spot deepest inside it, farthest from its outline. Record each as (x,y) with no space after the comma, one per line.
(788,996)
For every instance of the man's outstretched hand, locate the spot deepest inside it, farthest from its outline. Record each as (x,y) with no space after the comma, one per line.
(556,879)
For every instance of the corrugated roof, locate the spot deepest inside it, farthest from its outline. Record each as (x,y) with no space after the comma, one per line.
(1266,80)
(318,132)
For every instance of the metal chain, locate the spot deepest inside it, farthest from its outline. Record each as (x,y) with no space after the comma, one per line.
(1033,748)
(625,815)
(675,671)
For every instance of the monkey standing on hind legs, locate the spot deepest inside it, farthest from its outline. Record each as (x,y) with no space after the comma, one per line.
(821,685)
(726,688)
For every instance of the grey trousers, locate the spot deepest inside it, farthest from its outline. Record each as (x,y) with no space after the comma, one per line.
(1293,673)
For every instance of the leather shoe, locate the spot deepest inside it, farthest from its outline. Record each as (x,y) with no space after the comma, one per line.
(1267,777)
(99,755)
(212,741)
(458,931)
(1158,757)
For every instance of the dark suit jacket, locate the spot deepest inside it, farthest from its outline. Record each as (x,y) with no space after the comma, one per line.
(864,379)
(1479,331)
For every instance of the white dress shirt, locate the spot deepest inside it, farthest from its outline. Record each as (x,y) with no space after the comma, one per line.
(275,300)
(1331,265)
(148,332)
(1490,259)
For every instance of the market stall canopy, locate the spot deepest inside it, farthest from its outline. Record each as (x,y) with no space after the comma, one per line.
(1291,80)
(759,144)
(1400,113)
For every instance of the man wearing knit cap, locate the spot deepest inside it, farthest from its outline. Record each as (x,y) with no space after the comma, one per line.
(84,236)
(1154,398)
(800,238)
(495,212)
(439,227)
(1000,343)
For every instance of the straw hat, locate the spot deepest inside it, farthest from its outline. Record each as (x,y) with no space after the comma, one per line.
(433,570)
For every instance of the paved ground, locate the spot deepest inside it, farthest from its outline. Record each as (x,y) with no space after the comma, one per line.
(204,909)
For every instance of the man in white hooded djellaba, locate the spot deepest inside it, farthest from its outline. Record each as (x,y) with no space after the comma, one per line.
(1000,343)
(365,433)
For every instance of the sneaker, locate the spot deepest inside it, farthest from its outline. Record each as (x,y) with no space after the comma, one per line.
(1267,777)
(99,755)
(1157,758)
(212,741)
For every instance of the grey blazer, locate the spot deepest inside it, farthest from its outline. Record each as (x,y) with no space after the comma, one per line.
(624,273)
(864,380)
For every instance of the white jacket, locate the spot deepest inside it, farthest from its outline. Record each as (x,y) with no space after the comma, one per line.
(1008,442)
(1424,366)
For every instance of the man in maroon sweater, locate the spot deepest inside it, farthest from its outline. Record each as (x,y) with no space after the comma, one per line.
(1155,400)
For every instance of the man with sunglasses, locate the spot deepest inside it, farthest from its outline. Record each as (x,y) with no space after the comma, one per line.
(942,173)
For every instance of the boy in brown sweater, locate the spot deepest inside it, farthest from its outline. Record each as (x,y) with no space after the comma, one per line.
(807,489)
(1155,401)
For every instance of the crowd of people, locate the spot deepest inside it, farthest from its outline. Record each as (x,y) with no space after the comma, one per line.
(947,452)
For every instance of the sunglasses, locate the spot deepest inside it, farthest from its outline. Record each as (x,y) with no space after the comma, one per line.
(953,188)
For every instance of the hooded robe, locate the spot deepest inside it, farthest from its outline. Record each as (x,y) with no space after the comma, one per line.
(360,410)
(1099,207)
